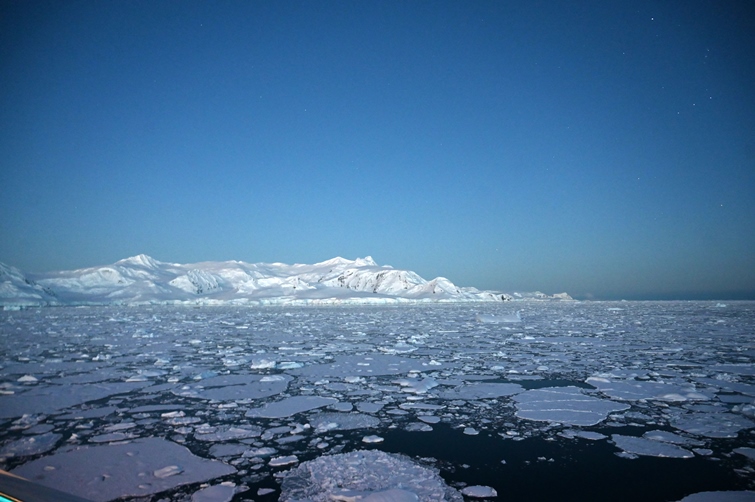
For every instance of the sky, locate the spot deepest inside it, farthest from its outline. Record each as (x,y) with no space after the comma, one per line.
(605,149)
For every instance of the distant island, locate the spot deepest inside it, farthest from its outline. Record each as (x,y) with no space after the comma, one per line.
(142,280)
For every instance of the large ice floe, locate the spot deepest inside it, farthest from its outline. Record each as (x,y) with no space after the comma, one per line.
(143,466)
(567,405)
(382,403)
(368,476)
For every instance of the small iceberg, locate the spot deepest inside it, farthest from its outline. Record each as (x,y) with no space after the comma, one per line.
(496,319)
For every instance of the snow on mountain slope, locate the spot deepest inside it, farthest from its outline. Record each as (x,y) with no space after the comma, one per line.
(16,291)
(144,280)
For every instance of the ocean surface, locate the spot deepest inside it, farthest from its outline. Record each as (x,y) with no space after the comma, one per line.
(650,401)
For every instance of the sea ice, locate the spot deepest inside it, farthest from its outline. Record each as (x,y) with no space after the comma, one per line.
(417,385)
(485,390)
(142,467)
(26,446)
(494,319)
(479,492)
(418,427)
(361,365)
(343,421)
(591,436)
(50,398)
(721,496)
(225,450)
(712,425)
(679,365)
(566,405)
(283,461)
(290,406)
(649,447)
(746,451)
(227,433)
(223,492)
(167,471)
(632,390)
(372,439)
(670,437)
(237,387)
(362,474)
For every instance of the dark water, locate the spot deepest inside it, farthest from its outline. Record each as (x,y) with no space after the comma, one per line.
(580,470)
(538,469)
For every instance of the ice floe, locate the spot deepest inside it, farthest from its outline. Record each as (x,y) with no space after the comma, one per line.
(33,445)
(290,406)
(631,390)
(480,492)
(649,447)
(712,425)
(484,390)
(566,405)
(746,451)
(343,421)
(369,475)
(139,468)
(222,492)
(495,319)
(721,496)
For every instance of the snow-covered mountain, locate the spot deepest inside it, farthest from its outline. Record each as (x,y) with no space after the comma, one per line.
(143,280)
(16,290)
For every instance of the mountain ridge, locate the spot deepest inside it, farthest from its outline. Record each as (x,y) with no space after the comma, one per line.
(141,279)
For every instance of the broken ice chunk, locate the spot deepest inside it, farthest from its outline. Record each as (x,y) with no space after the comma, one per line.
(281,461)
(416,385)
(670,437)
(418,427)
(649,447)
(372,439)
(223,492)
(343,421)
(169,470)
(259,363)
(429,419)
(495,319)
(228,432)
(480,492)
(260,452)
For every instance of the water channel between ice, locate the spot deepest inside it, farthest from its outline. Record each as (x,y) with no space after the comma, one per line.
(571,401)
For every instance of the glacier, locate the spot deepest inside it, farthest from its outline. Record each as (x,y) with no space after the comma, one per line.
(142,280)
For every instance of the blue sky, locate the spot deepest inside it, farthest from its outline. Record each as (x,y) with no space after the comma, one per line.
(602,148)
